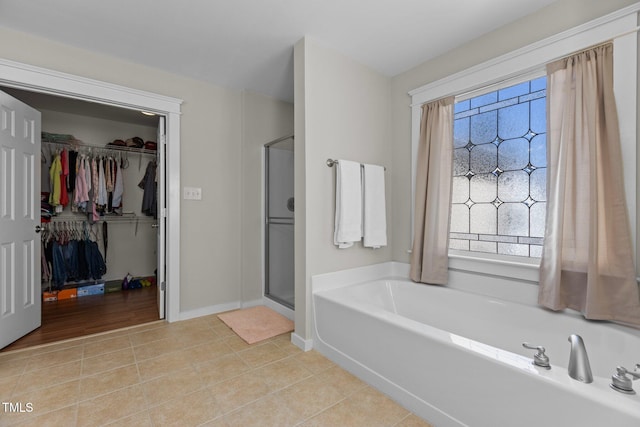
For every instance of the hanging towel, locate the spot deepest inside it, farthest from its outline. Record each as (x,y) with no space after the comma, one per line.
(348,222)
(374,212)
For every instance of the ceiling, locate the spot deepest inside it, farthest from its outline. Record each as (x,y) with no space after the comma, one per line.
(248,44)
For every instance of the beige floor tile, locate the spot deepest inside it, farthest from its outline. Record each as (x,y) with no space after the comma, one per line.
(189,338)
(262,354)
(266,412)
(7,384)
(12,368)
(147,326)
(144,337)
(141,419)
(284,343)
(111,407)
(213,320)
(163,365)
(107,361)
(223,330)
(236,392)
(412,420)
(60,417)
(310,396)
(108,345)
(342,414)
(206,351)
(52,398)
(314,361)
(218,422)
(221,369)
(47,377)
(171,386)
(283,373)
(101,336)
(109,381)
(377,408)
(156,348)
(346,382)
(190,410)
(54,358)
(238,344)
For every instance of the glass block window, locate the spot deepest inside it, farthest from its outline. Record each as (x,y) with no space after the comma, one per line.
(499,172)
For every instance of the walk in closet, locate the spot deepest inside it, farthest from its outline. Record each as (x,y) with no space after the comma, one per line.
(99,245)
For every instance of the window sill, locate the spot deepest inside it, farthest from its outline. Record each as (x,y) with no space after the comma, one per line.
(504,266)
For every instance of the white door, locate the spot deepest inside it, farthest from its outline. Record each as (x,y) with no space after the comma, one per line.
(20,288)
(162,215)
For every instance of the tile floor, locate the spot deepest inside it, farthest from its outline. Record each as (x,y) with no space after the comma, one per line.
(191,373)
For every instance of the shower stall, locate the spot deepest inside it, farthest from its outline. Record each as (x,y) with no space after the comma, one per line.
(279,221)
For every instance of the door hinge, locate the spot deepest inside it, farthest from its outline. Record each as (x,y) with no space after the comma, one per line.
(163,212)
(163,139)
(163,285)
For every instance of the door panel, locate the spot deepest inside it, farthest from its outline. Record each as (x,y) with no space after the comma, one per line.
(20,288)
(162,217)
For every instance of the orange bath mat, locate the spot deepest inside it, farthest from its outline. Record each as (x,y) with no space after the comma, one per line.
(256,323)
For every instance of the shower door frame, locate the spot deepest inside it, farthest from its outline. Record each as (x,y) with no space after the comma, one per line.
(267,222)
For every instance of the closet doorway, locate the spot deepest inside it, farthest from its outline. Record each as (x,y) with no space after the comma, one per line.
(27,77)
(84,298)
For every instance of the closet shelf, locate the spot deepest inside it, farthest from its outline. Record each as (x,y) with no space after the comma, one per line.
(94,148)
(104,218)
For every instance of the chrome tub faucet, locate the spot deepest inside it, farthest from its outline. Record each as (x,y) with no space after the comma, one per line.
(579,367)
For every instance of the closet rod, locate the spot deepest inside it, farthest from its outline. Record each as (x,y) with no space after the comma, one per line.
(123,219)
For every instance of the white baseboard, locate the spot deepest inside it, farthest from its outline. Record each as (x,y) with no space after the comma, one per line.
(252,303)
(278,308)
(206,311)
(300,342)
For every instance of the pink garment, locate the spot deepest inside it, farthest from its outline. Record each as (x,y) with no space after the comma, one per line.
(81,193)
(94,179)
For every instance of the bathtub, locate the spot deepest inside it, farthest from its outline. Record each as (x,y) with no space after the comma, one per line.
(456,359)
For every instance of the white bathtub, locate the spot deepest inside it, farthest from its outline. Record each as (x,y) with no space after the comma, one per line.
(456,359)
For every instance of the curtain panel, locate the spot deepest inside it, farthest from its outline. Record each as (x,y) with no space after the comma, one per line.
(429,256)
(587,259)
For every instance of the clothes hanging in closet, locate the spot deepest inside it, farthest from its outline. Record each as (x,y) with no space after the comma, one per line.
(89,183)
(149,185)
(72,258)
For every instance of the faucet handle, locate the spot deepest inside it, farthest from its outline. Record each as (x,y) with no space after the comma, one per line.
(539,359)
(621,382)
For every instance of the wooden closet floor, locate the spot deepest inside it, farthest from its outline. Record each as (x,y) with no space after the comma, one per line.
(88,315)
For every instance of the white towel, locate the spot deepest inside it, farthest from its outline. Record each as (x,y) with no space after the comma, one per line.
(375,212)
(348,224)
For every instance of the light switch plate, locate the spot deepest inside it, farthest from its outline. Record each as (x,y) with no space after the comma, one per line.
(192,193)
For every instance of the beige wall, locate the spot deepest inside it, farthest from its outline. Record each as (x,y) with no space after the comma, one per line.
(548,21)
(210,158)
(346,115)
(263,120)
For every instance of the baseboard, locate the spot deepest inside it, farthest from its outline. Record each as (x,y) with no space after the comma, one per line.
(206,311)
(253,303)
(278,308)
(300,342)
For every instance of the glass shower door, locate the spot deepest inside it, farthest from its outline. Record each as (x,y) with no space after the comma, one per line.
(279,222)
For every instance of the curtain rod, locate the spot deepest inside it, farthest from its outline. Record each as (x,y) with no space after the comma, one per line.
(530,71)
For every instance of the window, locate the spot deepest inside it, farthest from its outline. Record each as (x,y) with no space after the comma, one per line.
(499,171)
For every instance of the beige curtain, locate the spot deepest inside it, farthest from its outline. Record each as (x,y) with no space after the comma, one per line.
(429,257)
(587,260)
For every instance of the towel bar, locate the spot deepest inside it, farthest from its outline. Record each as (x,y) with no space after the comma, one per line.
(331,162)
